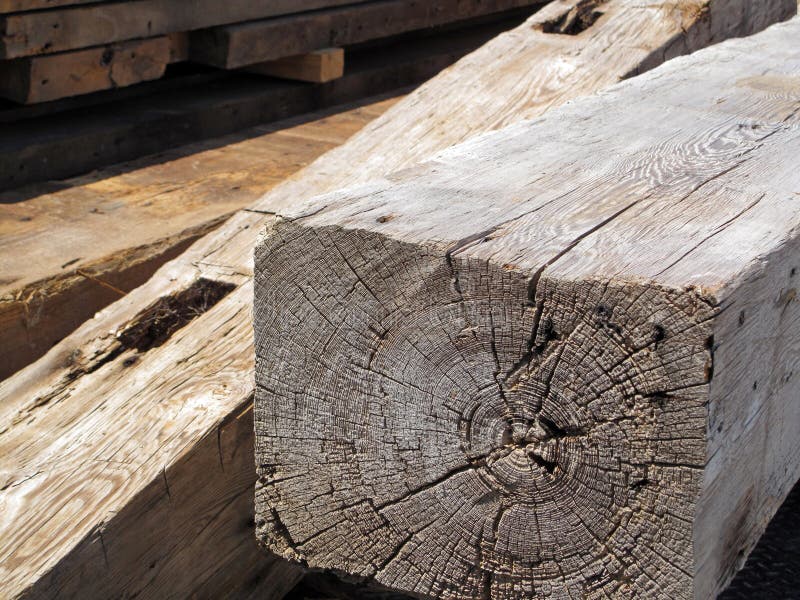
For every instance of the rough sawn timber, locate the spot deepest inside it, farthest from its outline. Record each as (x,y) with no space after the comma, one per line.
(45,78)
(559,360)
(108,413)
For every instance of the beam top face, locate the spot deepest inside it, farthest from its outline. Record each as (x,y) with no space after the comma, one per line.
(683,176)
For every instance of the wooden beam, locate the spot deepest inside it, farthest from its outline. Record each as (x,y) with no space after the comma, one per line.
(554,361)
(157,395)
(70,28)
(245,44)
(53,76)
(319,66)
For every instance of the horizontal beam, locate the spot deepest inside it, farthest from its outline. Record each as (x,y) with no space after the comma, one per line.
(554,361)
(54,76)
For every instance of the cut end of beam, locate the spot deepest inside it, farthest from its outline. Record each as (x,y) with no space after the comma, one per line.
(552,361)
(462,433)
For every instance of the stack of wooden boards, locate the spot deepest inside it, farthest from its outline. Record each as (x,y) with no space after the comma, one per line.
(60,48)
(127,449)
(72,136)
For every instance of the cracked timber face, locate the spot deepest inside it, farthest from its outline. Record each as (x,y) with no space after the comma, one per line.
(526,367)
(445,426)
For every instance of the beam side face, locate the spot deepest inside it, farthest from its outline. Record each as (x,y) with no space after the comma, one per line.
(451,427)
(754,416)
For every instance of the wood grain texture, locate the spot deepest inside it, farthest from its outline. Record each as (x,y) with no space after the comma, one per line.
(245,44)
(319,66)
(44,78)
(70,28)
(554,361)
(154,404)
(537,71)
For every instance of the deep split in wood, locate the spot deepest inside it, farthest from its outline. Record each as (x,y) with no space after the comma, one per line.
(555,361)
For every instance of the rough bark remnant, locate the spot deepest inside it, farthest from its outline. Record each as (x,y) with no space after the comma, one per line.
(527,368)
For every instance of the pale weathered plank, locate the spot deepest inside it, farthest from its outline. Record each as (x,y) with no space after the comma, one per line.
(555,361)
(569,66)
(154,402)
(315,67)
(70,28)
(245,44)
(44,78)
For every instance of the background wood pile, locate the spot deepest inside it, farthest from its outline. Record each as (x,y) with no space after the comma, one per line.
(52,50)
(74,134)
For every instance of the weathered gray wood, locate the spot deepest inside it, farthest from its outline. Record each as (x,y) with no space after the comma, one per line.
(153,405)
(554,361)
(245,44)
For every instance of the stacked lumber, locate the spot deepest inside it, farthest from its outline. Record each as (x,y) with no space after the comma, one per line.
(75,135)
(554,361)
(52,50)
(117,425)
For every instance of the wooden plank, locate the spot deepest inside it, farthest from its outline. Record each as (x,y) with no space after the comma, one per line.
(44,78)
(70,28)
(153,399)
(555,361)
(319,66)
(245,44)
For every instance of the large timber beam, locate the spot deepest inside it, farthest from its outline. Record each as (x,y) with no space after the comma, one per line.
(114,408)
(554,361)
